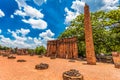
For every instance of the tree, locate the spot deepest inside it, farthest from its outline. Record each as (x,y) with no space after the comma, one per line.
(106,31)
(40,50)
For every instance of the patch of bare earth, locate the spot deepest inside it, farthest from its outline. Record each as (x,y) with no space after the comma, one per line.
(10,69)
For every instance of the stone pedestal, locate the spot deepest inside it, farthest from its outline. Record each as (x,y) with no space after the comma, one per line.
(41,66)
(90,54)
(72,75)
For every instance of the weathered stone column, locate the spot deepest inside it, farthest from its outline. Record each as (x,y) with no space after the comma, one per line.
(90,54)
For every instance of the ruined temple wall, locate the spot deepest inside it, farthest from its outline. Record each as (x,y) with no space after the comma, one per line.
(75,48)
(63,48)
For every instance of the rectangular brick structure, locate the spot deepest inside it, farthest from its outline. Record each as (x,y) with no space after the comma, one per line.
(90,54)
(63,48)
(116,59)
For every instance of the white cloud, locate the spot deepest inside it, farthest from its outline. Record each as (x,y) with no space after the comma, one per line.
(39,2)
(19,35)
(29,11)
(37,41)
(70,15)
(1,13)
(36,24)
(23,31)
(0,31)
(20,13)
(21,3)
(48,33)
(11,16)
(5,41)
(77,6)
(33,12)
(21,40)
(110,4)
(35,16)
(30,38)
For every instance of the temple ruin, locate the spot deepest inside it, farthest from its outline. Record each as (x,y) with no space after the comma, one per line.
(90,53)
(67,48)
(63,48)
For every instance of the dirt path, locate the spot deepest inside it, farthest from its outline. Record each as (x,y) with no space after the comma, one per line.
(12,70)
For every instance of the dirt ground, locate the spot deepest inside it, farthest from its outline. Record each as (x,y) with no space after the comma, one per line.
(10,69)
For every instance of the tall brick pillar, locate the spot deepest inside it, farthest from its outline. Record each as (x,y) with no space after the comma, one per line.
(90,54)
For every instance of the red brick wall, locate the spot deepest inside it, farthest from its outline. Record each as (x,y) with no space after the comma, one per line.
(63,48)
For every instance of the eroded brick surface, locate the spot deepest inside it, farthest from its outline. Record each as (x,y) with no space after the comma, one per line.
(63,48)
(90,54)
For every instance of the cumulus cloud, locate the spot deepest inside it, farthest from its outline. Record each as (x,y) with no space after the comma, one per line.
(33,12)
(37,41)
(27,10)
(19,35)
(22,40)
(20,13)
(48,33)
(110,4)
(11,16)
(35,16)
(39,2)
(77,6)
(5,41)
(0,31)
(1,13)
(36,23)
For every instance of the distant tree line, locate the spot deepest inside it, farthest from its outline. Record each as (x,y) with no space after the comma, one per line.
(4,47)
(38,50)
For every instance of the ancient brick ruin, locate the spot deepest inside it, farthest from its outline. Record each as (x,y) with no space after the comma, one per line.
(63,48)
(90,54)
(22,51)
(116,59)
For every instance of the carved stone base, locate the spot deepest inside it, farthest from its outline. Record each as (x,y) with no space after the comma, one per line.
(21,60)
(41,66)
(72,75)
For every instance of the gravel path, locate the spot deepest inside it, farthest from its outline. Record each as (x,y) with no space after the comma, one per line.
(10,69)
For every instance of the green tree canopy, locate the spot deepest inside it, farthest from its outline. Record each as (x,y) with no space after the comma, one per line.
(106,31)
(40,50)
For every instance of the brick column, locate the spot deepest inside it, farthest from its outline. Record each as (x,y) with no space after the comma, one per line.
(90,54)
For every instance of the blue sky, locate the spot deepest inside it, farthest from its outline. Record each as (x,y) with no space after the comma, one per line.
(30,23)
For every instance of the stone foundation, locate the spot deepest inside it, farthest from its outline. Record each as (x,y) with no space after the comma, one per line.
(72,75)
(41,66)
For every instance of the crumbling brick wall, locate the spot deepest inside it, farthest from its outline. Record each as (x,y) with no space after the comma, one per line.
(63,48)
